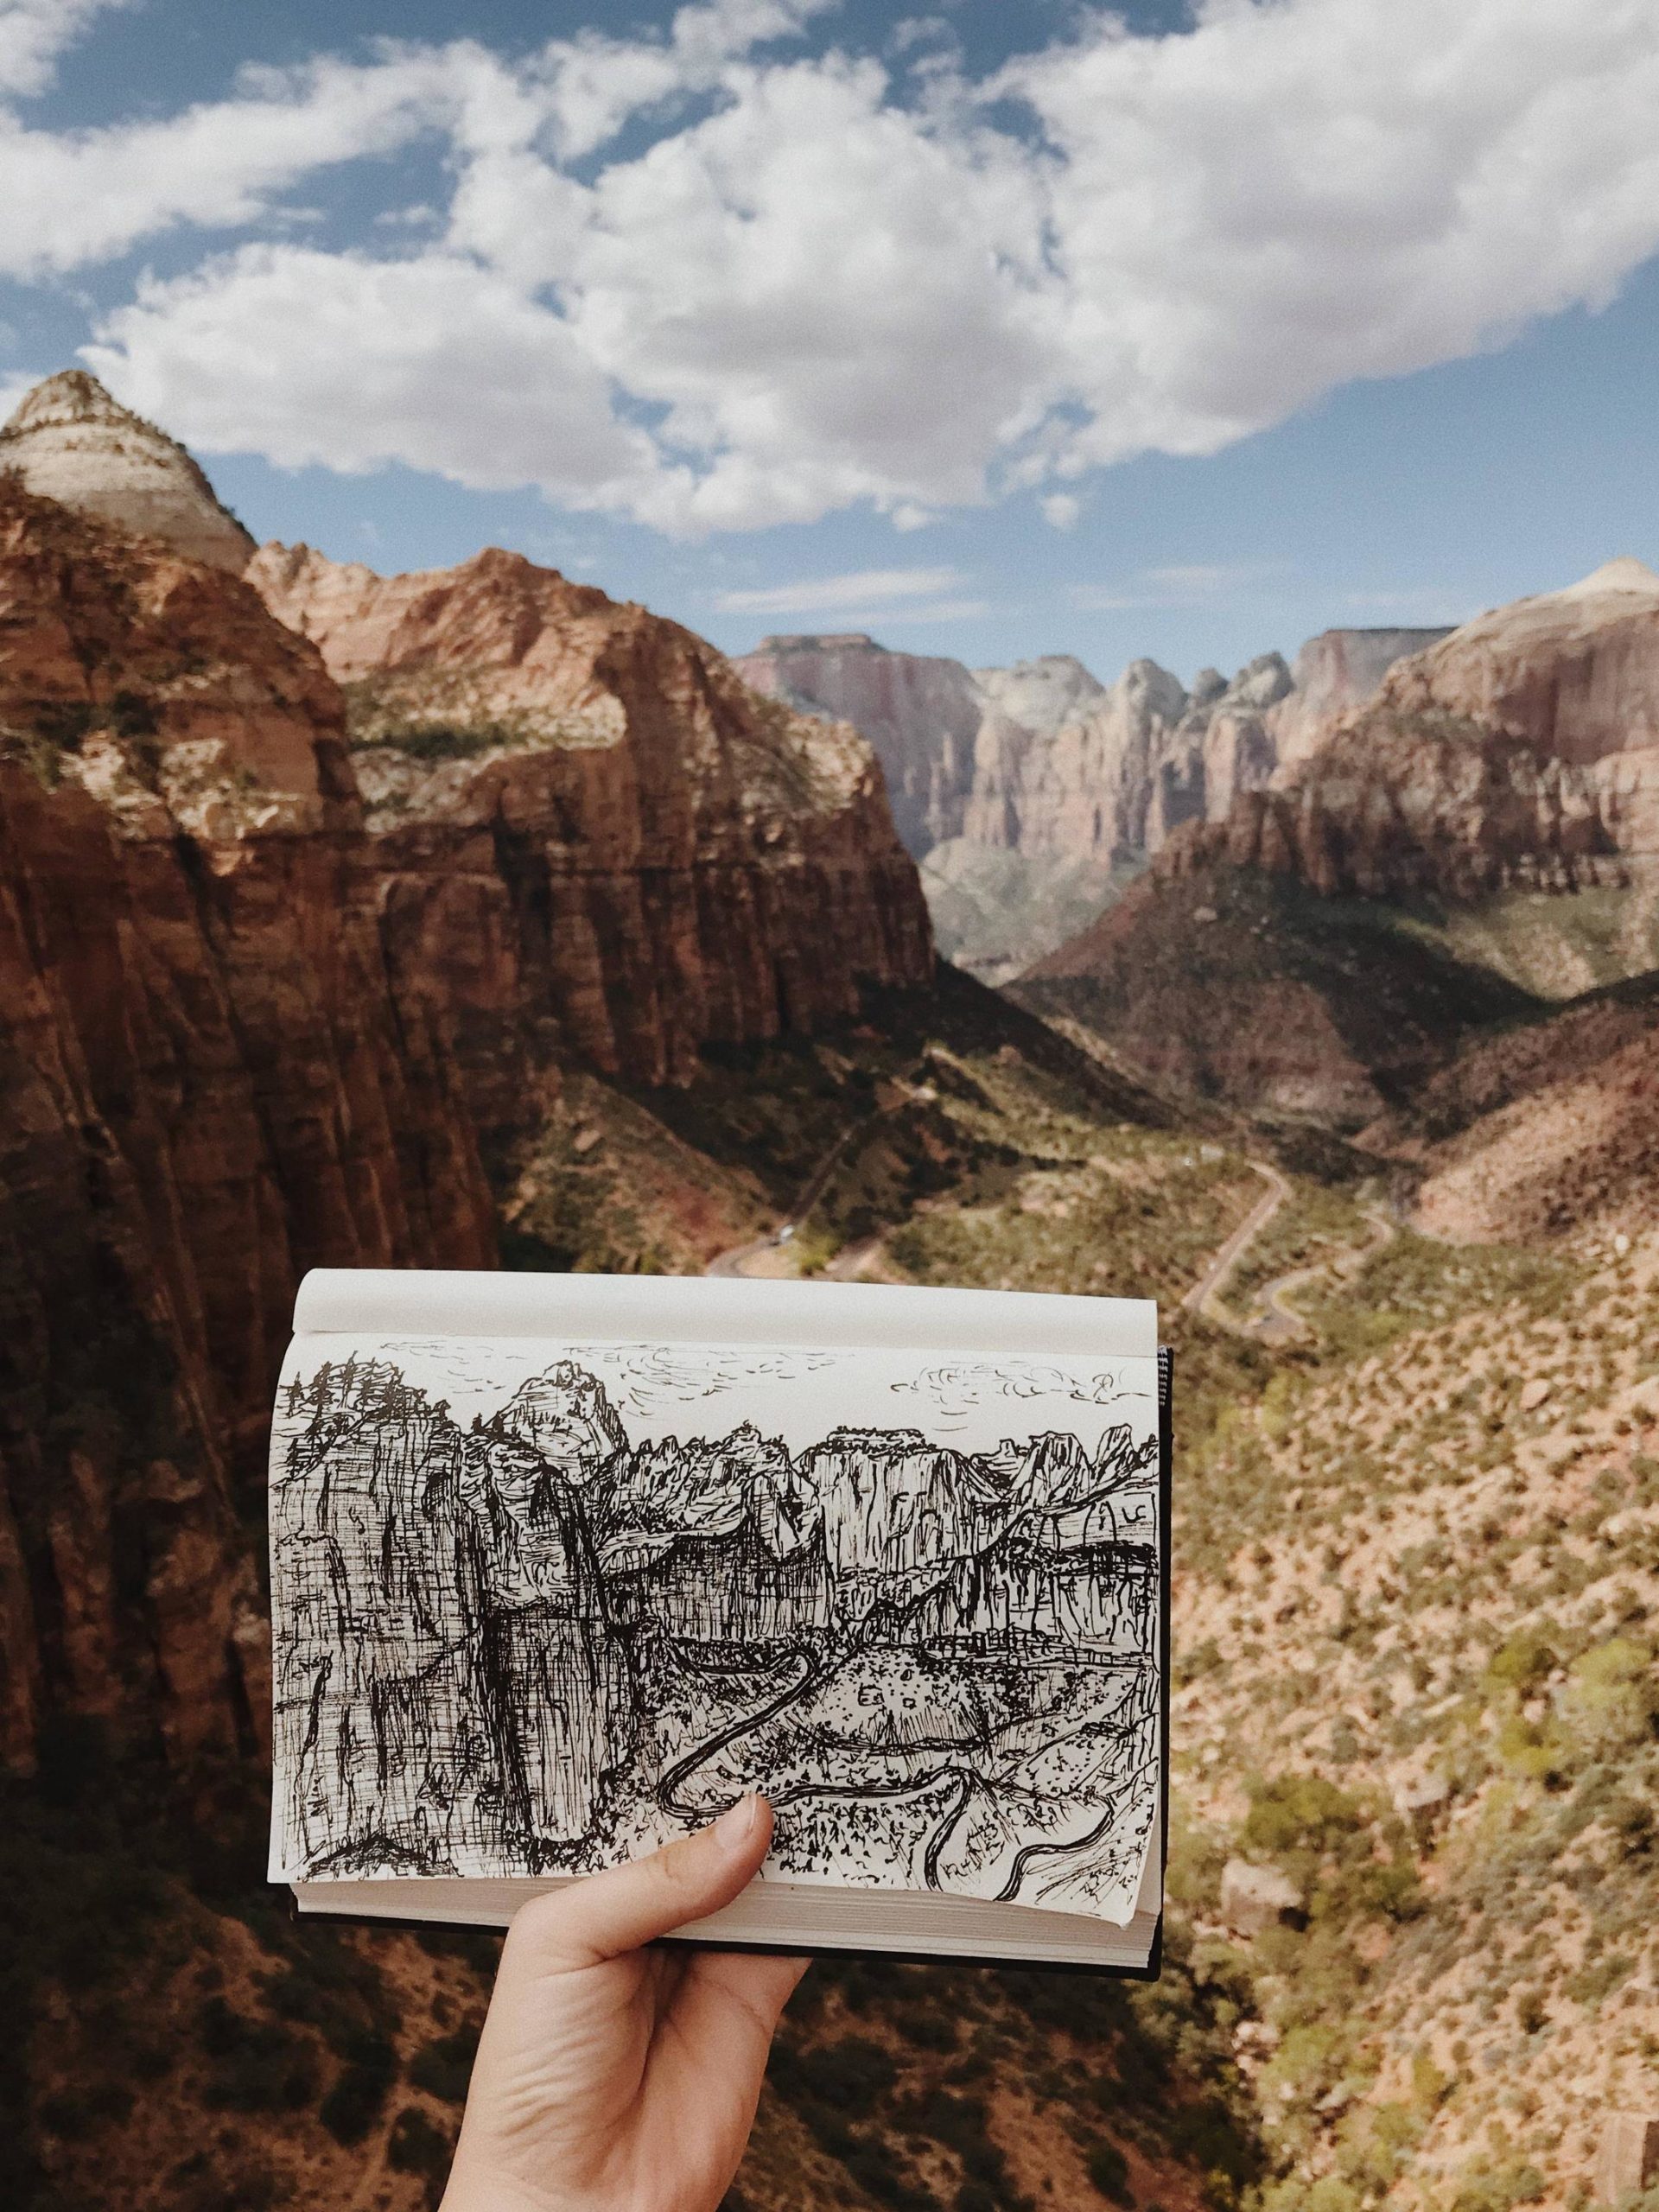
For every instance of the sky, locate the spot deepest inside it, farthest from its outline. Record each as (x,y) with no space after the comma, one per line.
(799,1396)
(1002,328)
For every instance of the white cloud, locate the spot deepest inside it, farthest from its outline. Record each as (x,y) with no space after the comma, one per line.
(1062,510)
(34,33)
(890,615)
(1181,583)
(826,594)
(321,358)
(73,199)
(1300,193)
(809,291)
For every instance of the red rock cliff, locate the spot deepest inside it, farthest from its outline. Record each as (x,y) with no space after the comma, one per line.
(207,1087)
(665,858)
(259,1016)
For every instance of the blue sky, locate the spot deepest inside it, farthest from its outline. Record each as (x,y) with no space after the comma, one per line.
(994,330)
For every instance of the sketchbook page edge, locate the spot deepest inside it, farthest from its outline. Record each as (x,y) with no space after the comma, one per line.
(393,1302)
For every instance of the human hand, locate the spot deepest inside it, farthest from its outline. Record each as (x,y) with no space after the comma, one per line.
(615,2077)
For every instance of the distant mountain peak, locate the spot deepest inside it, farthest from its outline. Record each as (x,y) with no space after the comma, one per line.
(69,440)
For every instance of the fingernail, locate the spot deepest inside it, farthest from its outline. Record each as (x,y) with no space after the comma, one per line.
(736,1824)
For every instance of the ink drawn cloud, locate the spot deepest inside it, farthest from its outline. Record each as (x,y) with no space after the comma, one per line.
(648,1376)
(958,1386)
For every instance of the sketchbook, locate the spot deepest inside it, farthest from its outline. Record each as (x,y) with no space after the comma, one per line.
(562,1566)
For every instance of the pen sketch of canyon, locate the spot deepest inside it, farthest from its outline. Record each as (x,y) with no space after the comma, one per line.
(537,1607)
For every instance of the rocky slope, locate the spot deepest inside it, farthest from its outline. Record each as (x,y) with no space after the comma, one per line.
(1417,1622)
(1242,986)
(582,815)
(1551,1127)
(68,441)
(1033,794)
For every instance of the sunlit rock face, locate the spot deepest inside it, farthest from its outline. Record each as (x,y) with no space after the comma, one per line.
(1332,675)
(670,859)
(69,441)
(1033,794)
(283,966)
(1519,752)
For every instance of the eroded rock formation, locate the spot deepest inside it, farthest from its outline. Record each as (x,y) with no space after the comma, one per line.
(70,441)
(1521,751)
(261,1014)
(668,858)
(920,712)
(1332,675)
(1032,793)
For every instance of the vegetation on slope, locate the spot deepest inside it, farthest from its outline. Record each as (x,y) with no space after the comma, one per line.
(1417,1551)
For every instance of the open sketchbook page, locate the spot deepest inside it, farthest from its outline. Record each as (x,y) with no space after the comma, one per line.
(539,1604)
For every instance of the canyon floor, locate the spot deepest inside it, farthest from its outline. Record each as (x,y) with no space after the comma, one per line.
(1416,1551)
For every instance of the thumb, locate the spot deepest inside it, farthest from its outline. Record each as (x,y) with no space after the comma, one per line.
(626,1906)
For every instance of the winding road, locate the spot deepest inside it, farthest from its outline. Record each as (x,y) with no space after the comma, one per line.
(1210,1283)
(1273,1318)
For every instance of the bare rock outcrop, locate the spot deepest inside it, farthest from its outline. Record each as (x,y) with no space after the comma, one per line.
(1574,674)
(920,712)
(1255,1897)
(1520,751)
(1334,673)
(665,858)
(69,441)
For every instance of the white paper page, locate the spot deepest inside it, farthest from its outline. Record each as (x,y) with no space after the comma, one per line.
(540,1603)
(703,1309)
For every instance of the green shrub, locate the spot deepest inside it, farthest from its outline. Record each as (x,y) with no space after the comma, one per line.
(255,2065)
(851,2074)
(1331,2196)
(1597,1978)
(358,2098)
(1108,2170)
(1300,1812)
(1612,1696)
(444,2067)
(430,742)
(418,2145)
(1521,1664)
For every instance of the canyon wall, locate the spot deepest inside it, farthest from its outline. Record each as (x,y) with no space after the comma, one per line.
(1033,794)
(1494,807)
(919,712)
(668,859)
(1332,675)
(1519,752)
(285,968)
(207,1087)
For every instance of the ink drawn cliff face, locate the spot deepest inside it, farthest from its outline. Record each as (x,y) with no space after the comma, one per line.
(530,1619)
